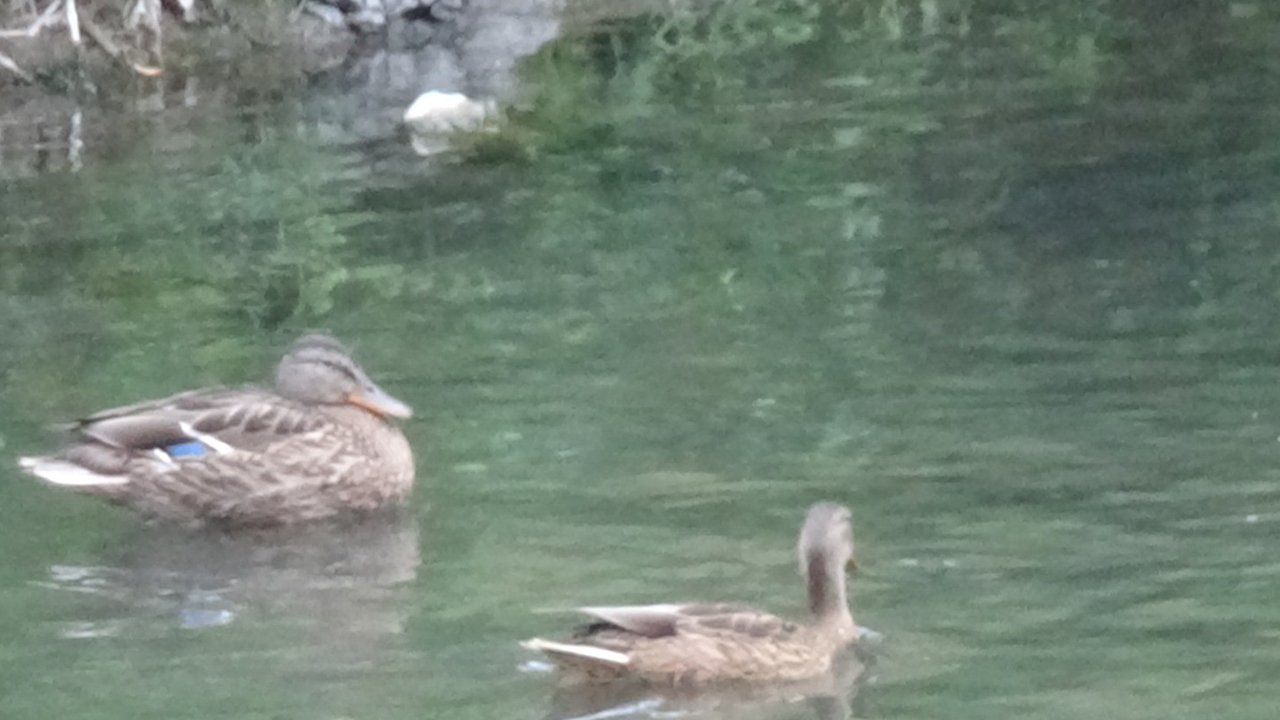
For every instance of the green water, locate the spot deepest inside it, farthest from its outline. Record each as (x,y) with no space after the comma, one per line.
(1010,292)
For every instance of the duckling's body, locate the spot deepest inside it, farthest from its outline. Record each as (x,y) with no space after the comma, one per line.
(320,445)
(695,644)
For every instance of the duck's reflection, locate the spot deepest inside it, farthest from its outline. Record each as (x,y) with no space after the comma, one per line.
(325,584)
(826,697)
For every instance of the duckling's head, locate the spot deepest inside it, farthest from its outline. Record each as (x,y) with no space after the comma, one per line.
(826,540)
(318,370)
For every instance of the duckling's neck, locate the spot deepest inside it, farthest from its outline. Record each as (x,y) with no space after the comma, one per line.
(827,599)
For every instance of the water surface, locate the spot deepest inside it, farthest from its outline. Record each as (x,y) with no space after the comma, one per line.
(1006,288)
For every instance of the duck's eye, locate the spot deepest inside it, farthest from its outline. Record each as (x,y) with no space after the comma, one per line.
(339,368)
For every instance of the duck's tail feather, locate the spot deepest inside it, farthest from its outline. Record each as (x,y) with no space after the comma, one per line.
(576,654)
(56,471)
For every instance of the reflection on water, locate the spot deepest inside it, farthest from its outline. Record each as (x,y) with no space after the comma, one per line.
(334,587)
(827,697)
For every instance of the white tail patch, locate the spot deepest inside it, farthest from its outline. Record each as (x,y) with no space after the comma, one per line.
(588,652)
(61,472)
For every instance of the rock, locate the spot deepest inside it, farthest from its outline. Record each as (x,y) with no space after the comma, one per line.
(434,115)
(436,111)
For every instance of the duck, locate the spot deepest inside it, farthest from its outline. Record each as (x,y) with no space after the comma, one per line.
(320,443)
(692,645)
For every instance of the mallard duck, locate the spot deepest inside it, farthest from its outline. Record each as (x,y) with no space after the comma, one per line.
(320,444)
(695,644)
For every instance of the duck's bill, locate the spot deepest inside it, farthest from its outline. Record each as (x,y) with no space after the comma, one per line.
(851,563)
(378,401)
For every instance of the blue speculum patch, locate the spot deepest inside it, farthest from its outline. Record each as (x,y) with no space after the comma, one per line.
(194,448)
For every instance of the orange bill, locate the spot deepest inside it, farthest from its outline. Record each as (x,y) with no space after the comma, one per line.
(379,402)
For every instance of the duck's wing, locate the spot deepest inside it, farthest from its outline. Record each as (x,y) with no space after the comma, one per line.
(201,421)
(203,432)
(604,645)
(670,640)
(645,620)
(734,620)
(665,619)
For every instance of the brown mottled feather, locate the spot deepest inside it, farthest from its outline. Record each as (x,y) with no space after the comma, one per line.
(290,464)
(282,459)
(693,644)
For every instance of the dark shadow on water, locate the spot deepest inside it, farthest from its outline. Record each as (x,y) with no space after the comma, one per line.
(826,697)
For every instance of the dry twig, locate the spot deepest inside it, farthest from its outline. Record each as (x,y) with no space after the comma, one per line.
(104,40)
(65,11)
(73,22)
(48,17)
(145,15)
(7,63)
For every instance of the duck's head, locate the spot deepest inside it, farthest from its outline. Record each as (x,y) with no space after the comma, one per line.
(826,540)
(318,370)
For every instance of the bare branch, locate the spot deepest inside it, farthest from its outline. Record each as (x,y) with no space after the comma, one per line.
(75,142)
(104,41)
(145,15)
(73,22)
(7,63)
(47,18)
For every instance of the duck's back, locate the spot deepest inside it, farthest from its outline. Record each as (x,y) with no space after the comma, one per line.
(694,645)
(242,457)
